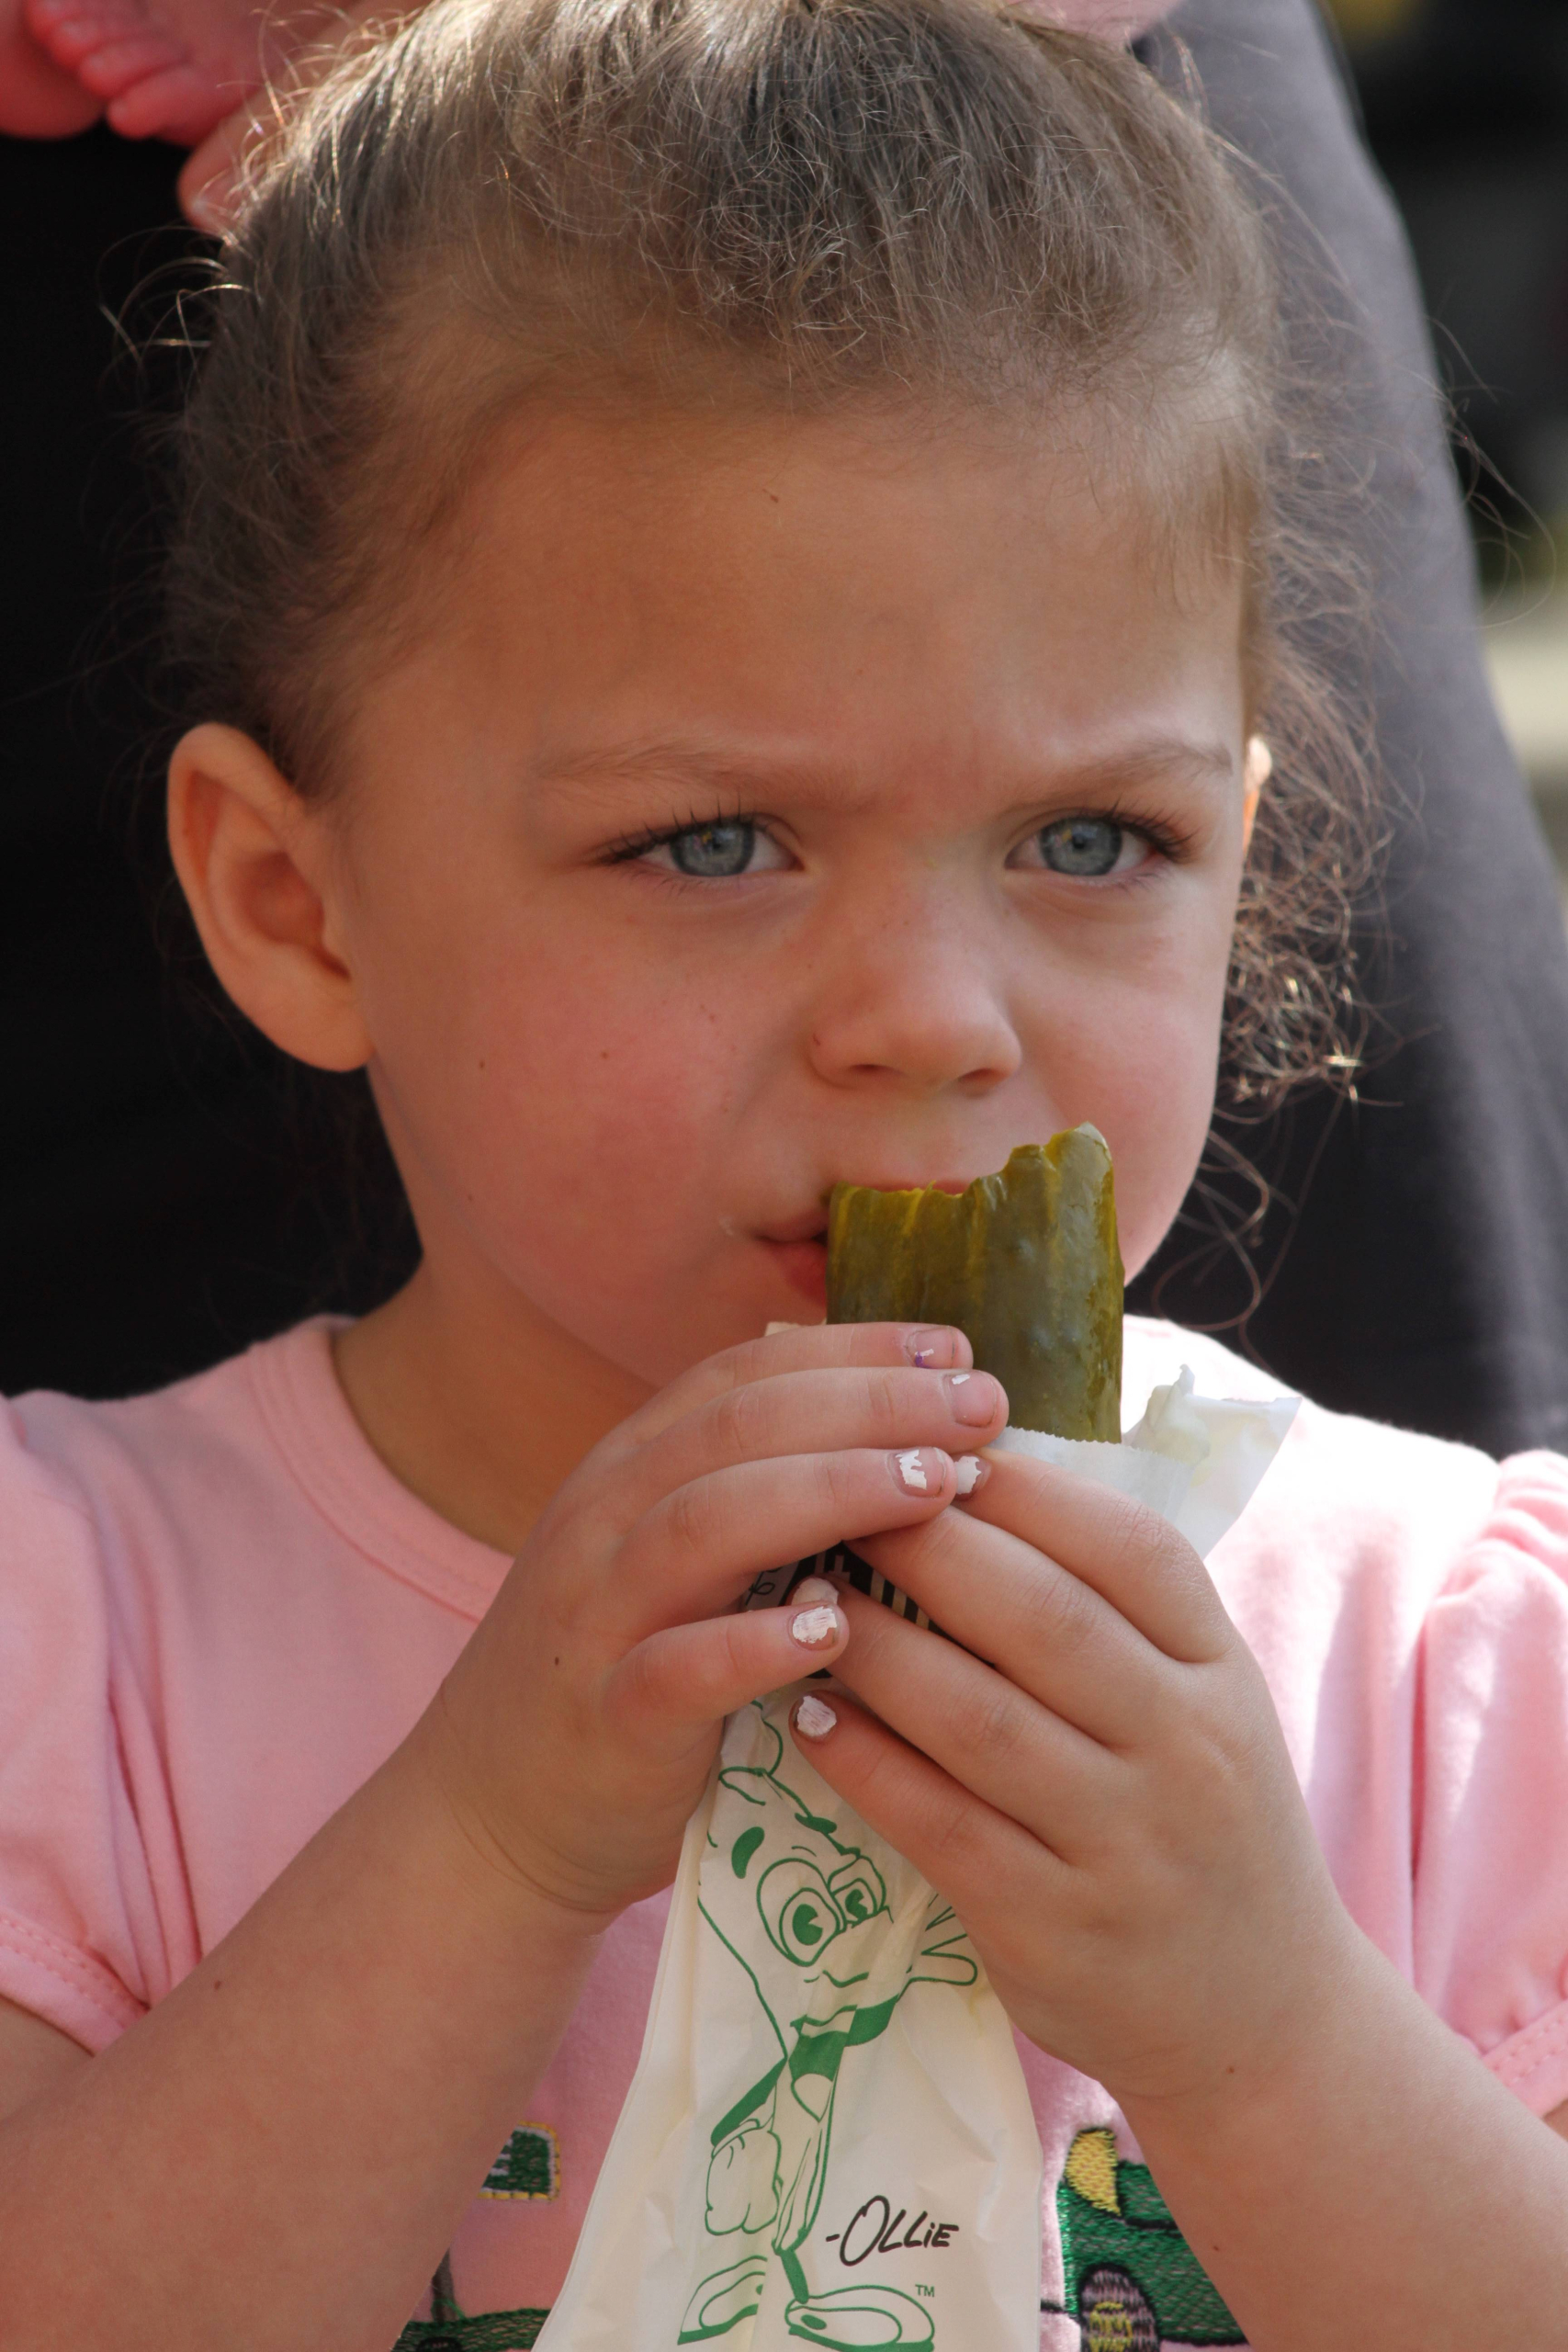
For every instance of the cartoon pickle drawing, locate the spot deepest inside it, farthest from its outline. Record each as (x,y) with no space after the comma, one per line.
(1132,2281)
(807,1916)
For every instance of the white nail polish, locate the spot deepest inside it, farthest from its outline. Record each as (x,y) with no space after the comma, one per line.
(813,1719)
(912,1471)
(814,1628)
(812,1591)
(957,1379)
(968,1471)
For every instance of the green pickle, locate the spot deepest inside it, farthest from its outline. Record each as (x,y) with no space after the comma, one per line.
(1025,1262)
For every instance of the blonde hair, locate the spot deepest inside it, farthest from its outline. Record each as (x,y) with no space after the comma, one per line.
(926,203)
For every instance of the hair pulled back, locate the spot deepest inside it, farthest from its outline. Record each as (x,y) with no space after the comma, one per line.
(921,203)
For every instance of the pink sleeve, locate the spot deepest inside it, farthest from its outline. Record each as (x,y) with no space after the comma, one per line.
(1492,1793)
(81,1944)
(1116,20)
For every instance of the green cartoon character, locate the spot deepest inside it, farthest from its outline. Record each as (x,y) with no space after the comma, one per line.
(807,1916)
(1132,2281)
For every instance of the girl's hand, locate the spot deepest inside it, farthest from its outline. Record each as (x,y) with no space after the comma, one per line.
(1096,1780)
(573,1738)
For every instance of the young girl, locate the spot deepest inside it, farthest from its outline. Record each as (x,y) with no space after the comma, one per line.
(737,588)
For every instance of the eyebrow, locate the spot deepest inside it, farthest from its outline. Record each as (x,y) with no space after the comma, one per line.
(1150,760)
(1147,760)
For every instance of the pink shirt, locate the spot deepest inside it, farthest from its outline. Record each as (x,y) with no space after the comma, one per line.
(218,1613)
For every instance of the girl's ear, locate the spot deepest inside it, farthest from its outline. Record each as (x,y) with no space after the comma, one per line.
(255,863)
(1256,769)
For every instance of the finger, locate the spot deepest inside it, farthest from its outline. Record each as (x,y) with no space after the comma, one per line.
(977,1856)
(1043,1627)
(697,1549)
(211,184)
(914,1423)
(813,1412)
(982,1731)
(681,1681)
(1124,1551)
(208,183)
(809,1347)
(38,99)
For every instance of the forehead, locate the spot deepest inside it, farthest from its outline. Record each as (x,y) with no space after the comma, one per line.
(862,588)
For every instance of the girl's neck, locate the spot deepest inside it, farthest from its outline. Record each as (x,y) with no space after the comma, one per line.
(480,1414)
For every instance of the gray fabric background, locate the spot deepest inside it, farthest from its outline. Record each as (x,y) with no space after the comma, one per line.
(1419,1271)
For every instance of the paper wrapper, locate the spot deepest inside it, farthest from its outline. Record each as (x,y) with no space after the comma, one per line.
(1197,1460)
(829,2139)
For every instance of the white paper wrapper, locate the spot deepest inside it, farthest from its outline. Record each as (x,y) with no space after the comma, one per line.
(1197,1460)
(829,2138)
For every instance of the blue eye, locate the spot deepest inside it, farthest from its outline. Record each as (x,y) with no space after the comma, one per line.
(714,851)
(724,848)
(1088,845)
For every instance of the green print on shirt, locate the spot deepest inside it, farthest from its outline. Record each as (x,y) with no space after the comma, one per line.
(528,2170)
(807,1916)
(1132,2281)
(491,2332)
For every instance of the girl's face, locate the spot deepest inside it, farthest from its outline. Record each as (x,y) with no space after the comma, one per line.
(769,805)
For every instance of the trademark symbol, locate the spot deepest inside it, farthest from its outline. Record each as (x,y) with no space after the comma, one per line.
(925,2290)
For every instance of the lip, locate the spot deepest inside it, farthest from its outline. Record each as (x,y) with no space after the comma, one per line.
(803,1263)
(811,1224)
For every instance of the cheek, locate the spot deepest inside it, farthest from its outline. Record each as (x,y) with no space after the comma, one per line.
(628,1086)
(1156,1122)
(1141,1063)
(570,1107)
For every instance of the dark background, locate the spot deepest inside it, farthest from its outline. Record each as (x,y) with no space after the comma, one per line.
(169,1190)
(1465,105)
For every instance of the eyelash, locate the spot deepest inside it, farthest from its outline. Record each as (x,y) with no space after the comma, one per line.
(635,845)
(1169,840)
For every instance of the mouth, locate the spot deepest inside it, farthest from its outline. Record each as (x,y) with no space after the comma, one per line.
(799,1250)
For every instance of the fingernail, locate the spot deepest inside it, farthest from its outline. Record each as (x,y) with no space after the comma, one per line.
(812,1591)
(932,1349)
(204,211)
(816,1629)
(813,1717)
(970,1473)
(973,1396)
(920,1471)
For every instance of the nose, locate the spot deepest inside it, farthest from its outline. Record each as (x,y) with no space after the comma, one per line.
(913,1001)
